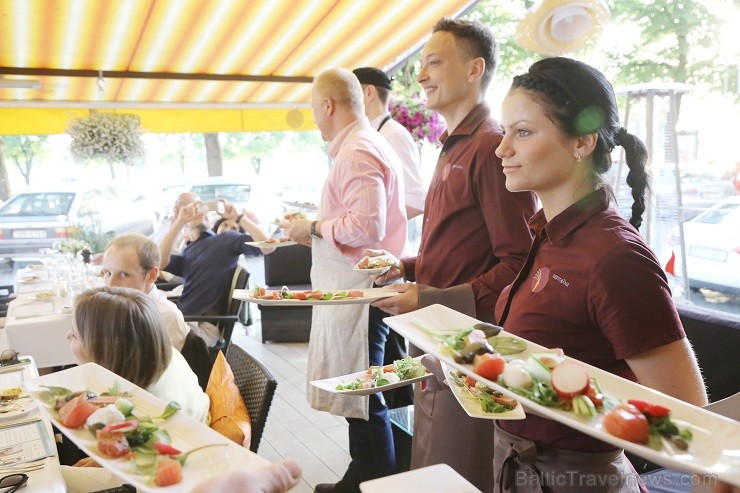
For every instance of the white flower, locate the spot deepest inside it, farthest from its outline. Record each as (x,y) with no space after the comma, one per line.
(114,137)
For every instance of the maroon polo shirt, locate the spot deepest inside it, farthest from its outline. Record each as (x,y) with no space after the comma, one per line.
(594,289)
(475,231)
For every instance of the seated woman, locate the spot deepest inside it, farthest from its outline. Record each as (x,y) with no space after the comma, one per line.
(110,322)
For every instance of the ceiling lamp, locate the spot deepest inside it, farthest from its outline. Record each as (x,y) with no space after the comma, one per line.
(556,27)
(19,84)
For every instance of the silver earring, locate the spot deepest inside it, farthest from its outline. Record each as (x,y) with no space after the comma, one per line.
(578,157)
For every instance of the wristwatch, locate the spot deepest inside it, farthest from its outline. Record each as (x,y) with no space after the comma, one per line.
(313,233)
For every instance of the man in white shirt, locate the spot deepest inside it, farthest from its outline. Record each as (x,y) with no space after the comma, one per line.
(132,261)
(376,89)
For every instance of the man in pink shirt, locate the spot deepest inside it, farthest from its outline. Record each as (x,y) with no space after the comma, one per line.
(361,207)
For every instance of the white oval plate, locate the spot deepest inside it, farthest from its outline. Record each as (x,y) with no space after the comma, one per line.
(472,406)
(268,244)
(330,384)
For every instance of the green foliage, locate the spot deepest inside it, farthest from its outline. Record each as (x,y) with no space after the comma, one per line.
(678,42)
(22,150)
(91,232)
(674,41)
(258,146)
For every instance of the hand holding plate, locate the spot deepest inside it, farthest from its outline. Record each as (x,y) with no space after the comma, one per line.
(407,301)
(396,271)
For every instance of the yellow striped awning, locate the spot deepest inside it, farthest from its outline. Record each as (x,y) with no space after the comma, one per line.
(194,65)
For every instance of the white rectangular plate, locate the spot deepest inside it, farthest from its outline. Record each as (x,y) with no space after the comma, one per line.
(186,432)
(369,295)
(439,477)
(267,244)
(716,438)
(472,406)
(330,384)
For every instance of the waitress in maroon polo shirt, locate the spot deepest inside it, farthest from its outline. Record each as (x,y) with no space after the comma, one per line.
(590,285)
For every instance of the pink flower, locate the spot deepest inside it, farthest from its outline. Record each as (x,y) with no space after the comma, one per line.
(422,123)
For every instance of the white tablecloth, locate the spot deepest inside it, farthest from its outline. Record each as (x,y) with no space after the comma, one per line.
(40,336)
(49,479)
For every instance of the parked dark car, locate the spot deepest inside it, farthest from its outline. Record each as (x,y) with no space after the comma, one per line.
(33,220)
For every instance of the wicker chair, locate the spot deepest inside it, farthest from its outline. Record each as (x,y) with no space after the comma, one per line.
(256,386)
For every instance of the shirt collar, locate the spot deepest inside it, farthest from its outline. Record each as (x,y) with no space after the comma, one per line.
(338,141)
(571,218)
(203,234)
(480,113)
(376,121)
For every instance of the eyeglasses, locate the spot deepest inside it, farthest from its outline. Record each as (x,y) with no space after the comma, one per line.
(14,482)
(8,357)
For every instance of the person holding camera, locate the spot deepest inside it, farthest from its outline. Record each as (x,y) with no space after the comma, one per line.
(208,261)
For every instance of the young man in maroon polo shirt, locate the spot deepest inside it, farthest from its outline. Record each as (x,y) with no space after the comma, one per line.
(474,239)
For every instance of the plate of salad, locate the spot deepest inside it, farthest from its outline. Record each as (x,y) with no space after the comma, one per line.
(479,400)
(289,297)
(136,436)
(375,379)
(271,243)
(653,425)
(374,265)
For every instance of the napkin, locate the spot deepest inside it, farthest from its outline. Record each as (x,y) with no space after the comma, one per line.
(33,309)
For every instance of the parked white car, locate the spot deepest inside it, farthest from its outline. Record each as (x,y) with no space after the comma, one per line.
(33,220)
(712,248)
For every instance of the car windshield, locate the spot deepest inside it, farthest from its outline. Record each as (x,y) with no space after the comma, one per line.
(38,204)
(717,214)
(231,192)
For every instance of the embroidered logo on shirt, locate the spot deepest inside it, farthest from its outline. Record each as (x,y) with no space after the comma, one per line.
(448,167)
(540,278)
(561,280)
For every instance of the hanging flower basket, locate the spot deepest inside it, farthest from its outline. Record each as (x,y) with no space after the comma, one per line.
(113,137)
(423,123)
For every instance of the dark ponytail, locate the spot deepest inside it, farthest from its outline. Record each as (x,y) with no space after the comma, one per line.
(635,154)
(581,101)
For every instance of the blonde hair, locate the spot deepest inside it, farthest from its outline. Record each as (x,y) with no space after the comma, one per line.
(122,330)
(149,255)
(342,86)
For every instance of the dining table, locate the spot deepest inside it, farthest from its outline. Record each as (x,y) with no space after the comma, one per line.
(34,432)
(41,315)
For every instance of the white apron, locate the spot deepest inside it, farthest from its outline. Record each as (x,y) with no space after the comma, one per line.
(338,344)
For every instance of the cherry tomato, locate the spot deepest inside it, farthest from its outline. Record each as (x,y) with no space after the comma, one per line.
(489,366)
(356,293)
(470,381)
(654,410)
(628,423)
(300,296)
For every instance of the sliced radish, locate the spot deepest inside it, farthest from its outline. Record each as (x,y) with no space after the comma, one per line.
(569,379)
